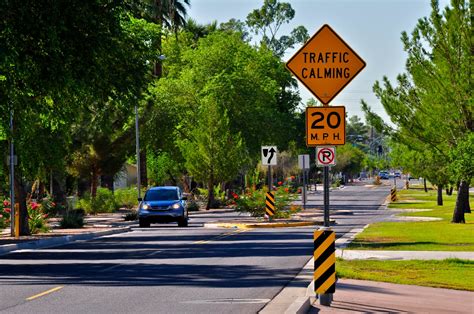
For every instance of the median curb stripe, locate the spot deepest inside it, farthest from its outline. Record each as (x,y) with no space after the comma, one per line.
(270,203)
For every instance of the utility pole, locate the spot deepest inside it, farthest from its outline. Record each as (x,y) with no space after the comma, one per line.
(137,142)
(12,179)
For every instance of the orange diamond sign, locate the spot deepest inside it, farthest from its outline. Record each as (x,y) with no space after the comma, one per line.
(325,64)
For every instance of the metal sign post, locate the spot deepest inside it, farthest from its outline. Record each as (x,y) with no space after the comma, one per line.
(305,195)
(303,163)
(269,178)
(326,195)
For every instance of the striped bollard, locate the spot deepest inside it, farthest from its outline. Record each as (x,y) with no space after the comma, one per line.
(393,194)
(270,204)
(324,265)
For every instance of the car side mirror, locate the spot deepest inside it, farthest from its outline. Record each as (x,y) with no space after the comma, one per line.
(140,199)
(184,198)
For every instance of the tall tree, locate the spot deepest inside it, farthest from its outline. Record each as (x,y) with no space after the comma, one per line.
(267,21)
(438,80)
(168,15)
(57,58)
(213,153)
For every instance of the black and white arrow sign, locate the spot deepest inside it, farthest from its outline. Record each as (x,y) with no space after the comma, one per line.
(269,155)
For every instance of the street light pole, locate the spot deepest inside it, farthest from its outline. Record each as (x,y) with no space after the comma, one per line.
(12,179)
(137,142)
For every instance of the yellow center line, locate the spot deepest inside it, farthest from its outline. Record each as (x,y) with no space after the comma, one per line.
(222,236)
(44,293)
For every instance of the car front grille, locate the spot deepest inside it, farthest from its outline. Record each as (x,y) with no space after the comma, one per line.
(159,207)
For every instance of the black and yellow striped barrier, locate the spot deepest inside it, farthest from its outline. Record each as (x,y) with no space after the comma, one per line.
(324,262)
(270,203)
(393,194)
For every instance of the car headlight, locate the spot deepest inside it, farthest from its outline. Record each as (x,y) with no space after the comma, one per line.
(176,206)
(146,206)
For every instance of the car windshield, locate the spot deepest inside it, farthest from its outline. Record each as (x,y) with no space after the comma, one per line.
(161,195)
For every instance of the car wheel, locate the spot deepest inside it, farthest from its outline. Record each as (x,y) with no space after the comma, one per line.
(183,222)
(143,223)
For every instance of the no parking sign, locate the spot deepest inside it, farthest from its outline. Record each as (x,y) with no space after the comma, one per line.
(325,156)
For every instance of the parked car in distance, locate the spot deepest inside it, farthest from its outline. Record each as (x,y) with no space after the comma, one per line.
(163,204)
(398,174)
(383,175)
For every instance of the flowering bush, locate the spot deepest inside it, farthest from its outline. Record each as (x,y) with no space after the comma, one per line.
(5,214)
(49,207)
(36,215)
(37,218)
(254,202)
(233,199)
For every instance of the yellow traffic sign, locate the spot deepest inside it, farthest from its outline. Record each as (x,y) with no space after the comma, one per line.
(325,64)
(325,126)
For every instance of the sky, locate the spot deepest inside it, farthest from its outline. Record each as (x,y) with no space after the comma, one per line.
(372,28)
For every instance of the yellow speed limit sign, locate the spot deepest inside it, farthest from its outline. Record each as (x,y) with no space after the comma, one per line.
(325,126)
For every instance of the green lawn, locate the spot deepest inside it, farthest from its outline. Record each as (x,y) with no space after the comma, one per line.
(419,236)
(450,273)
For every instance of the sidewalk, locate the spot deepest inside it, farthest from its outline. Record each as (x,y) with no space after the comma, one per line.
(360,296)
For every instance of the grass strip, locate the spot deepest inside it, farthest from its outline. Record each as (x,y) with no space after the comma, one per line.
(419,236)
(450,273)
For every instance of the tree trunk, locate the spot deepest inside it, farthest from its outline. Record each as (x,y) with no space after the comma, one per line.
(185,181)
(20,197)
(107,181)
(210,192)
(424,185)
(464,189)
(94,181)
(458,215)
(440,195)
(172,178)
(449,191)
(143,169)
(82,187)
(59,194)
(41,190)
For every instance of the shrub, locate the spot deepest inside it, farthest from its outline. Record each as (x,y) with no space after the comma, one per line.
(5,214)
(254,202)
(193,206)
(49,207)
(36,218)
(130,216)
(216,203)
(126,197)
(72,219)
(103,202)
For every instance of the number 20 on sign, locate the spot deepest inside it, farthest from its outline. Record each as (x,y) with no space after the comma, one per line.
(325,126)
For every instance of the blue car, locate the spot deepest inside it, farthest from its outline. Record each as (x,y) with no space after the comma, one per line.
(163,204)
(384,175)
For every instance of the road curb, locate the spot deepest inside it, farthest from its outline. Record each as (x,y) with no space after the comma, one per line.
(54,241)
(207,212)
(262,225)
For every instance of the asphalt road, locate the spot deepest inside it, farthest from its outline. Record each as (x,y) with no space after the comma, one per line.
(166,269)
